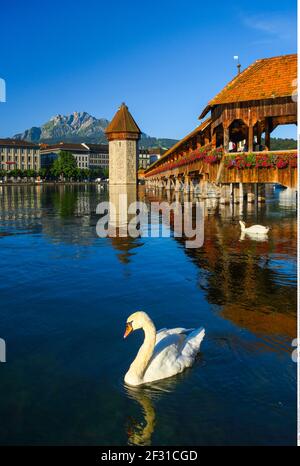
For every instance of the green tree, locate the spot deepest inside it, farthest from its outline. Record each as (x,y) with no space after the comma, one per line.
(105,172)
(65,166)
(43,173)
(16,173)
(29,173)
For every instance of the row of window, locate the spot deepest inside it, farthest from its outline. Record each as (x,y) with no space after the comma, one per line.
(19,151)
(97,156)
(143,164)
(23,166)
(15,158)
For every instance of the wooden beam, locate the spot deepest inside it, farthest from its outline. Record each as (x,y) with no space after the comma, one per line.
(259,131)
(268,133)
(226,138)
(250,137)
(214,140)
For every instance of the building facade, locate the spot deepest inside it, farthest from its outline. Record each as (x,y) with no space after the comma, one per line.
(149,156)
(99,157)
(22,155)
(50,152)
(144,158)
(87,156)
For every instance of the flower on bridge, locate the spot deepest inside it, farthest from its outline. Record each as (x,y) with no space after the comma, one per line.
(205,154)
(262,160)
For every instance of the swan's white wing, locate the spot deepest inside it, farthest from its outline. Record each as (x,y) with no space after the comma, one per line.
(173,352)
(163,332)
(258,229)
(192,343)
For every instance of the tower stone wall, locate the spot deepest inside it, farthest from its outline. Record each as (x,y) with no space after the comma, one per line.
(123,134)
(123,157)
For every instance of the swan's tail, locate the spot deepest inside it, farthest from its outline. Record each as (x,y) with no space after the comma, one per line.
(192,343)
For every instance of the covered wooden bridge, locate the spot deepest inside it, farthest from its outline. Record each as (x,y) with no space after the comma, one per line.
(226,149)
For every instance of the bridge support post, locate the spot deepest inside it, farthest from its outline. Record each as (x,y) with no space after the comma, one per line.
(250,194)
(241,192)
(213,191)
(197,188)
(225,194)
(186,188)
(178,186)
(192,186)
(168,184)
(237,191)
(203,188)
(261,196)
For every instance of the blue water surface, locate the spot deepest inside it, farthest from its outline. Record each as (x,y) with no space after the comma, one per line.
(65,297)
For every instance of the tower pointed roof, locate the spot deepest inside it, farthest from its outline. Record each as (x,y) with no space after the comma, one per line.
(123,124)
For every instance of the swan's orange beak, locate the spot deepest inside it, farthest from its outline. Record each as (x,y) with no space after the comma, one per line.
(128,329)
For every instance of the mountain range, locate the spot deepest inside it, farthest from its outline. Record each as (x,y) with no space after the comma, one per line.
(81,127)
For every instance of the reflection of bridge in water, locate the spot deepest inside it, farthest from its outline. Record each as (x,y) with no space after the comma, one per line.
(243,276)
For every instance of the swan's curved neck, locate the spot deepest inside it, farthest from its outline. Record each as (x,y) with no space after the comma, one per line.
(143,357)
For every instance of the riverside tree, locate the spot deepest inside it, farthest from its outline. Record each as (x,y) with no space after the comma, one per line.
(64,166)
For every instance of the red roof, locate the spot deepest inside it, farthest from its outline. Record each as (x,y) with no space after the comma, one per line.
(18,143)
(266,78)
(123,122)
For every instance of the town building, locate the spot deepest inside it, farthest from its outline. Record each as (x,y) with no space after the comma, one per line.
(149,156)
(144,158)
(22,155)
(98,155)
(87,156)
(156,153)
(26,155)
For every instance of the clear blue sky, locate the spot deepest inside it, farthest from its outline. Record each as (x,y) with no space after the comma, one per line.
(164,58)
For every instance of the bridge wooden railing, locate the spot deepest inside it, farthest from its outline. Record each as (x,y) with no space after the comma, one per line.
(260,167)
(245,167)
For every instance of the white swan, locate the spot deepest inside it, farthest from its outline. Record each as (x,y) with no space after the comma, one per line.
(164,353)
(254,229)
(254,237)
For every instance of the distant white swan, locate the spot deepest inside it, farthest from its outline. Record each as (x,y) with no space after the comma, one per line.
(164,353)
(254,229)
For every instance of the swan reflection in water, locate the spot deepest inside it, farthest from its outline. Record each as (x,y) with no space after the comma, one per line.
(140,432)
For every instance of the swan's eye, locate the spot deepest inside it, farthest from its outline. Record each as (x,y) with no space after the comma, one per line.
(128,329)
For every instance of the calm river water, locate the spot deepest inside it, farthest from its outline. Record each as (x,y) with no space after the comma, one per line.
(66,294)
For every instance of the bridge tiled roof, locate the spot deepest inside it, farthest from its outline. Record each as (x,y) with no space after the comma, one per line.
(266,78)
(182,141)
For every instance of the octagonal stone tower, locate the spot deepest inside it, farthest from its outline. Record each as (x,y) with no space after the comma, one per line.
(123,134)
